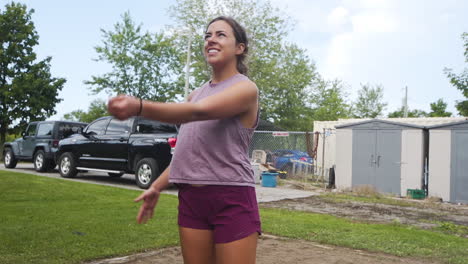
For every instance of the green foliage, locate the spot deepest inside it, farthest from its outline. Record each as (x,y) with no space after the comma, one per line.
(97,109)
(47,220)
(328,101)
(11,137)
(143,64)
(451,228)
(460,81)
(369,102)
(28,92)
(281,70)
(438,109)
(411,113)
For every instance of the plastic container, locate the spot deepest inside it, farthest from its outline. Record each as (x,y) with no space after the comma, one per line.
(257,172)
(415,194)
(269,179)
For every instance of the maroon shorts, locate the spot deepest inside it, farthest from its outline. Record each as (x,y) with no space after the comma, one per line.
(230,211)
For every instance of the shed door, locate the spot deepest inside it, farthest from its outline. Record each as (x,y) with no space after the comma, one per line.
(459,181)
(377,159)
(364,142)
(388,161)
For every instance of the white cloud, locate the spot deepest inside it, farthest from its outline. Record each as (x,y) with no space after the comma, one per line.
(390,42)
(338,16)
(338,19)
(374,23)
(338,54)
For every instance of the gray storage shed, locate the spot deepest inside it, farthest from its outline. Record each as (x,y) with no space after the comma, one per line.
(386,155)
(448,162)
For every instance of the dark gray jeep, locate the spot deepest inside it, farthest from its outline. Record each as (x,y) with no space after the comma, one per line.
(39,143)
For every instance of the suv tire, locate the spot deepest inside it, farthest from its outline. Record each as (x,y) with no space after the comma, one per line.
(9,159)
(67,165)
(147,171)
(41,164)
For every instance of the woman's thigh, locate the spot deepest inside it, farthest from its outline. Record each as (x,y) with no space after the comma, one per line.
(197,245)
(239,251)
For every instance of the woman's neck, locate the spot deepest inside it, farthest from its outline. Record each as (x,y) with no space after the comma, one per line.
(222,74)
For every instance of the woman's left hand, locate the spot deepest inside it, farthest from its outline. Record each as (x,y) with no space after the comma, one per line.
(123,106)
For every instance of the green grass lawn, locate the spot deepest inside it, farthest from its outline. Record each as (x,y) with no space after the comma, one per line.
(45,220)
(395,239)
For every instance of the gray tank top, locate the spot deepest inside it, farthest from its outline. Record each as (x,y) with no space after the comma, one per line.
(213,152)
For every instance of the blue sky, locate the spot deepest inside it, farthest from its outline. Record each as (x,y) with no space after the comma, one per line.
(395,43)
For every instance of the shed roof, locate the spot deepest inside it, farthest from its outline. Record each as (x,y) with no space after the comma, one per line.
(374,123)
(420,121)
(454,125)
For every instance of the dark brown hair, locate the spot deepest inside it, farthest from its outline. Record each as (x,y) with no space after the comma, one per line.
(241,37)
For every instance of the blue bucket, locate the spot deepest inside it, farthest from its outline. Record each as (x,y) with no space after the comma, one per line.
(269,179)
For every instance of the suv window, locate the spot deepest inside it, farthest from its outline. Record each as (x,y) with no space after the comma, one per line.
(31,130)
(150,126)
(45,129)
(119,127)
(98,127)
(66,130)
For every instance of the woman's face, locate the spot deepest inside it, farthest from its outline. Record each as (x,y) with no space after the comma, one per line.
(220,44)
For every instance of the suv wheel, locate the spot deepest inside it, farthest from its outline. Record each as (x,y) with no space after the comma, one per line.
(115,175)
(9,159)
(67,166)
(147,171)
(41,164)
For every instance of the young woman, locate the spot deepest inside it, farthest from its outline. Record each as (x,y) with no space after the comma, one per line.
(218,213)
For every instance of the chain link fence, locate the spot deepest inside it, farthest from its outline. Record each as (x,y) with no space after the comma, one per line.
(290,152)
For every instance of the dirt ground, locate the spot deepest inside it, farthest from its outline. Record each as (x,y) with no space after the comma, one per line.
(423,214)
(272,250)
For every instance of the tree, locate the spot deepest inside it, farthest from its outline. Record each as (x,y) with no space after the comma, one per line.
(460,81)
(369,102)
(28,92)
(97,109)
(329,101)
(438,109)
(143,64)
(281,70)
(411,113)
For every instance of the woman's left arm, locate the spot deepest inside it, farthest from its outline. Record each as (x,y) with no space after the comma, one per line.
(234,100)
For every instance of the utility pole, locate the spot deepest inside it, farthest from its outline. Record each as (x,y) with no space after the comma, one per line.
(405,103)
(323,152)
(187,68)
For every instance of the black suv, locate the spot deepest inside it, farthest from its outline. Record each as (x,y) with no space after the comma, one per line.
(39,143)
(135,145)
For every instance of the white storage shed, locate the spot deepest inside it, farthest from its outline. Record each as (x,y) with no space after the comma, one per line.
(325,147)
(386,155)
(448,162)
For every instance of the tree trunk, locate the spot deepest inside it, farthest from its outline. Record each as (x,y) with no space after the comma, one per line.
(3,130)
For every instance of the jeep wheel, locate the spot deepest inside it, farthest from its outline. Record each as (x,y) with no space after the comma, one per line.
(147,171)
(115,175)
(41,164)
(67,166)
(9,159)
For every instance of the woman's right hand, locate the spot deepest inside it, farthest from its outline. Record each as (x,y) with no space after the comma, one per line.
(150,198)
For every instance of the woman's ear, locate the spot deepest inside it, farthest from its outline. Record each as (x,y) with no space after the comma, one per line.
(240,48)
